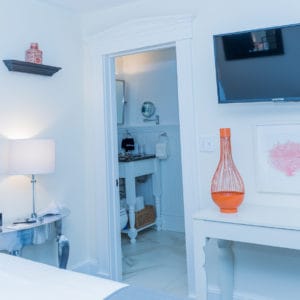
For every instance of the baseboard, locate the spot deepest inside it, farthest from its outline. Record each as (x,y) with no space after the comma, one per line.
(89,267)
(214,293)
(173,223)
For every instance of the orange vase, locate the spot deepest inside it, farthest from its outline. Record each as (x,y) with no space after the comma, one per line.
(227,187)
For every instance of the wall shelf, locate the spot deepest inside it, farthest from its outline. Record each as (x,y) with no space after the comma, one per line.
(27,67)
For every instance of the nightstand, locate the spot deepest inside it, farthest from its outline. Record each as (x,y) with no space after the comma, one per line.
(13,238)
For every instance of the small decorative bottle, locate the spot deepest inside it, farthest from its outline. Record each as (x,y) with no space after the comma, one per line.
(227,187)
(34,54)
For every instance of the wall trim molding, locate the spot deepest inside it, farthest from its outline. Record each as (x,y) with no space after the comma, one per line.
(214,293)
(143,32)
(89,266)
(101,138)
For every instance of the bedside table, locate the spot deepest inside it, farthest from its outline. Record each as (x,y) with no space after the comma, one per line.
(14,238)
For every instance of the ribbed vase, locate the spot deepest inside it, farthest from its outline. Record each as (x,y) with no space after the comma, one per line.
(227,186)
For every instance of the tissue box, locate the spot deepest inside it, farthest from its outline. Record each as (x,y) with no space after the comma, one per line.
(145,216)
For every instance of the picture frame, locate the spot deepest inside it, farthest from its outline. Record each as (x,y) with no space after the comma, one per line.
(278,158)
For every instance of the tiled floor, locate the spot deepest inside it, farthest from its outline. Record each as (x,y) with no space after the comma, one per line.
(156,261)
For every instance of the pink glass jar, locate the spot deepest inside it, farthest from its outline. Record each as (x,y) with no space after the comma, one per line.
(34,54)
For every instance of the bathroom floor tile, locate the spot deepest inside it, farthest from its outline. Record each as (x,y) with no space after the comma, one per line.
(156,261)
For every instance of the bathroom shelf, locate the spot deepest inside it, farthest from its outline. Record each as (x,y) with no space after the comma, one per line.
(27,67)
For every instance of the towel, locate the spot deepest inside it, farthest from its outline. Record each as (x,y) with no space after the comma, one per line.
(161,150)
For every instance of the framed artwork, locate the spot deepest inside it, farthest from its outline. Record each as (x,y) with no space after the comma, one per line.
(278,158)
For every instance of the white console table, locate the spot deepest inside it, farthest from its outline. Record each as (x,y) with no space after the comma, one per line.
(13,238)
(270,226)
(130,170)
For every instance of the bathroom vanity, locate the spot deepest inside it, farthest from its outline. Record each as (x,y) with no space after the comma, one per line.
(134,166)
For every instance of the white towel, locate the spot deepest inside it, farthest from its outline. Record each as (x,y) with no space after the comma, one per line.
(162,150)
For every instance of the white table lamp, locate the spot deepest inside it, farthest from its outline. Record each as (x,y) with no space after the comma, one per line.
(31,157)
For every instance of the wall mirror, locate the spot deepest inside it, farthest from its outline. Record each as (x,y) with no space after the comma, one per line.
(148,109)
(120,97)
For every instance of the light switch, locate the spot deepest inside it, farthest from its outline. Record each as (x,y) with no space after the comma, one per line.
(208,143)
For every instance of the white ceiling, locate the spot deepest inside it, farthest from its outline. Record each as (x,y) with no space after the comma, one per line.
(82,6)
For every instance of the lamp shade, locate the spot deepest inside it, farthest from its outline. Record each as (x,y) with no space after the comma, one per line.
(31,156)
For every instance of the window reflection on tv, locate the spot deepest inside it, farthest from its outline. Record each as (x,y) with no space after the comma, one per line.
(253,44)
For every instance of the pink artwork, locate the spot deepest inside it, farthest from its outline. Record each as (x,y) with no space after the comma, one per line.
(278,158)
(286,157)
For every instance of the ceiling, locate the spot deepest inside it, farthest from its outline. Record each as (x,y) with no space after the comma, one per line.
(82,6)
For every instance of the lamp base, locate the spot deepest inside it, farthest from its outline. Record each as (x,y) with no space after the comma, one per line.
(34,218)
(31,220)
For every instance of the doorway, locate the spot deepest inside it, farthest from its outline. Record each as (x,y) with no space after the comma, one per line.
(101,159)
(148,79)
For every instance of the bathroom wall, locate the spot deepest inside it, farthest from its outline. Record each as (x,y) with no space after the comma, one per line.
(151,76)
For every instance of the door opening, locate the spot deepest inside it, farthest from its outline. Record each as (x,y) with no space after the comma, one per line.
(149,164)
(101,126)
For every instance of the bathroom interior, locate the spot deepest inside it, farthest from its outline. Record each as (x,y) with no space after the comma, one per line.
(153,244)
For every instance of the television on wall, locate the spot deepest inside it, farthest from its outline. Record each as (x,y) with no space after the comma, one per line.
(258,65)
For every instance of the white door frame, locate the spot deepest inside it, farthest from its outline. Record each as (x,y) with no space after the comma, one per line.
(101,127)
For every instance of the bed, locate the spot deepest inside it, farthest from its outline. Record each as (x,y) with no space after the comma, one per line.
(24,279)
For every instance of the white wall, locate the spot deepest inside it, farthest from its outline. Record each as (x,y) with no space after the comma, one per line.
(151,76)
(44,107)
(216,17)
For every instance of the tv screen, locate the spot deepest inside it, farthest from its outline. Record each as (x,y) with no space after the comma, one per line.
(258,65)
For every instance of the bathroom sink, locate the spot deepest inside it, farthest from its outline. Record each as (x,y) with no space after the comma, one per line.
(134,157)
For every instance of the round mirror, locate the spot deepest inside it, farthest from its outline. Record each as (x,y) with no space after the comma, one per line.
(148,109)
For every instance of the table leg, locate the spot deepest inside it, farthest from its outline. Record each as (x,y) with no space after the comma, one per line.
(63,249)
(16,252)
(132,233)
(200,241)
(156,187)
(226,275)
(158,214)
(131,202)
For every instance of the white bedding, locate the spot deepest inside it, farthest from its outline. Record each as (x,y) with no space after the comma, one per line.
(27,280)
